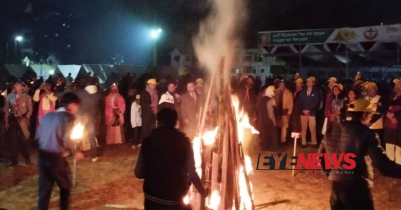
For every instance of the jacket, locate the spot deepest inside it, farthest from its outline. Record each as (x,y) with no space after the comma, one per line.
(190,108)
(287,105)
(166,162)
(92,103)
(25,104)
(310,102)
(354,137)
(147,114)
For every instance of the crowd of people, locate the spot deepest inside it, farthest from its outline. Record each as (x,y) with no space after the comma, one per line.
(311,108)
(118,113)
(124,112)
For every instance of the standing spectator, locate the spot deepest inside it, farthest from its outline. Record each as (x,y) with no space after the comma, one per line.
(60,86)
(166,163)
(90,112)
(199,86)
(47,100)
(190,109)
(297,111)
(333,114)
(358,81)
(392,126)
(329,95)
(269,138)
(284,101)
(18,121)
(377,102)
(114,112)
(309,101)
(247,95)
(54,141)
(352,96)
(148,102)
(69,80)
(3,117)
(136,122)
(170,99)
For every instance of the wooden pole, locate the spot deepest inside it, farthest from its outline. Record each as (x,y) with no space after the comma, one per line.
(74,166)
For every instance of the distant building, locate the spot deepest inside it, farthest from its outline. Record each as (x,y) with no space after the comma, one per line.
(181,58)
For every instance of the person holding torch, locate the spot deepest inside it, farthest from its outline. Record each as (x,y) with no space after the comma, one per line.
(54,140)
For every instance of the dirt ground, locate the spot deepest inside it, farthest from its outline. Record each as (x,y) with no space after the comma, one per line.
(111,181)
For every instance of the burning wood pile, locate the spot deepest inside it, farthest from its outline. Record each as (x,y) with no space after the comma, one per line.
(219,157)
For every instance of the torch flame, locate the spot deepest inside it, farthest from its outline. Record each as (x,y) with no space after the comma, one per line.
(186,199)
(77,132)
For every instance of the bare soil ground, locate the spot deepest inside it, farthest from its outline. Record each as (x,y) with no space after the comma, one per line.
(111,181)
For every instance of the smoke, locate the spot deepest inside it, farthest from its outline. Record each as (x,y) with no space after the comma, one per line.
(219,35)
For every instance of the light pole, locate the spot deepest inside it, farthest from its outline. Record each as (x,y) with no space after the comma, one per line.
(154,34)
(17,39)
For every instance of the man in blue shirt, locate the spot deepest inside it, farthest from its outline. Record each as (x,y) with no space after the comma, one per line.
(54,142)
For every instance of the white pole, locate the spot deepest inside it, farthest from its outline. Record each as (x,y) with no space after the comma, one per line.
(295,136)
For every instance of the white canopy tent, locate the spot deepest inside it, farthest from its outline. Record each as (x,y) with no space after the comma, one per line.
(66,69)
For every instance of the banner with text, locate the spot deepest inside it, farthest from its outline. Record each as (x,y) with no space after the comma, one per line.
(386,33)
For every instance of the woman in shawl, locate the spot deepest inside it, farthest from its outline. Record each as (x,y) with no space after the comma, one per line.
(269,138)
(115,108)
(47,100)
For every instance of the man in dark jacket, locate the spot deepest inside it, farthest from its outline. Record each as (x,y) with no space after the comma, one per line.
(166,163)
(18,123)
(351,188)
(90,112)
(310,99)
(148,102)
(189,107)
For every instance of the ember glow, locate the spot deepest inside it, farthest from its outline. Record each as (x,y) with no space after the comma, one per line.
(242,119)
(77,132)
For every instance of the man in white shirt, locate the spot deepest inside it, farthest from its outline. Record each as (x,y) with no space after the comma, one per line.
(136,122)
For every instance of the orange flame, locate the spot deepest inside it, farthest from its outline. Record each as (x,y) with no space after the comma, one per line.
(197,148)
(246,199)
(77,132)
(242,119)
(210,137)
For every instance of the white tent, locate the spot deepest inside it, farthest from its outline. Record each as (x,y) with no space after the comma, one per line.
(44,70)
(66,69)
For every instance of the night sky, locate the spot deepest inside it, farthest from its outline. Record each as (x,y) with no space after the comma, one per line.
(104,28)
